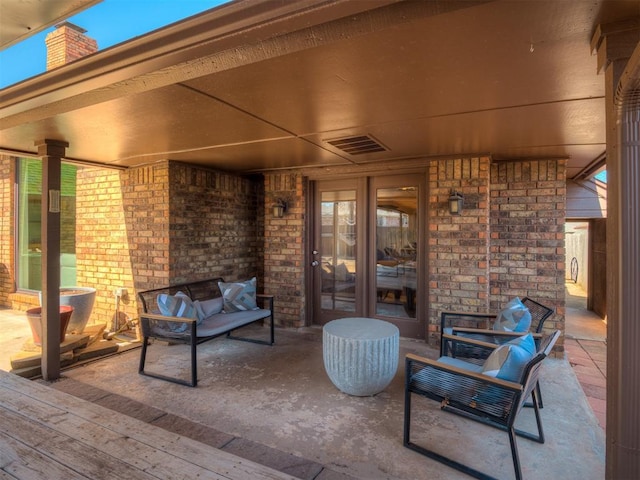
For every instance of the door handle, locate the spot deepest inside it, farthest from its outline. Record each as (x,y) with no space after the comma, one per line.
(315,263)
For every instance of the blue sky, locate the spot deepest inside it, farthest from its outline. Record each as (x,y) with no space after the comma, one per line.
(109,22)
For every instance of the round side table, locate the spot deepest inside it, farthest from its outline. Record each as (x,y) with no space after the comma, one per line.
(360,354)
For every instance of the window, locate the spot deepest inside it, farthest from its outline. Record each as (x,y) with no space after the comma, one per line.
(29,245)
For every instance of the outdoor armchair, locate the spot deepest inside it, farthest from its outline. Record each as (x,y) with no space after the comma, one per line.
(479,326)
(463,389)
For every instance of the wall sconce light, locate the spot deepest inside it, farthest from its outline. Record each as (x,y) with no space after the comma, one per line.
(279,208)
(456,200)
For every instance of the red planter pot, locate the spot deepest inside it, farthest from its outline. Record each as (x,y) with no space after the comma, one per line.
(34,315)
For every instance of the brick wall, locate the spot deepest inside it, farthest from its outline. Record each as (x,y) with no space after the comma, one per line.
(145,193)
(102,244)
(527,235)
(171,222)
(509,240)
(7,181)
(160,224)
(214,229)
(458,244)
(284,248)
(187,223)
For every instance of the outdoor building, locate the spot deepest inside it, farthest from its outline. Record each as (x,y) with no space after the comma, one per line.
(319,147)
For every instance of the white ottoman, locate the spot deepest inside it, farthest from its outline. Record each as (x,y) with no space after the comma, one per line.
(360,354)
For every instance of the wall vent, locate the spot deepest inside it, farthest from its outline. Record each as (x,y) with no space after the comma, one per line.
(357,145)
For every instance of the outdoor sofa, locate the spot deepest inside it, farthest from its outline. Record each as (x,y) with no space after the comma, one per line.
(196,312)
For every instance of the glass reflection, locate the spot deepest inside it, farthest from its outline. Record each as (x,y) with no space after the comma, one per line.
(396,252)
(338,248)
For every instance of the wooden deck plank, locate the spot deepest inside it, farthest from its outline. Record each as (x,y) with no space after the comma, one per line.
(64,450)
(20,461)
(7,476)
(140,446)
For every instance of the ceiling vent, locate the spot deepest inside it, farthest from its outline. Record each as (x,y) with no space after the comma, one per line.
(357,145)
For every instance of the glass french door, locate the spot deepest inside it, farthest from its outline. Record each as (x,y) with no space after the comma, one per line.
(395,228)
(366,251)
(337,254)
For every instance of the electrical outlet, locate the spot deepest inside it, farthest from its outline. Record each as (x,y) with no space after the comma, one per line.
(120,292)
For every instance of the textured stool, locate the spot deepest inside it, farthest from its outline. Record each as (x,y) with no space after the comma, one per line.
(360,354)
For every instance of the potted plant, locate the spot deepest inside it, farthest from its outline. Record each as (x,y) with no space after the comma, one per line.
(34,316)
(81,299)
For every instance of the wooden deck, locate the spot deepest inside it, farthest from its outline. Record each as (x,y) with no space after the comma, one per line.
(49,434)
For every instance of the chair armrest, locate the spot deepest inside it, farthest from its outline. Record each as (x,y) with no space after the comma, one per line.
(160,326)
(469,341)
(468,314)
(466,319)
(451,369)
(167,318)
(491,332)
(265,299)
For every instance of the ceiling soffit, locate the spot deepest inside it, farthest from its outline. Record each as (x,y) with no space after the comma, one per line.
(22,19)
(255,87)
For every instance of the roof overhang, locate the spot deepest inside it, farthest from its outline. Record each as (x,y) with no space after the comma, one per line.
(259,85)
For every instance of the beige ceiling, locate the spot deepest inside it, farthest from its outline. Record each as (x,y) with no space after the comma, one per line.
(20,19)
(261,85)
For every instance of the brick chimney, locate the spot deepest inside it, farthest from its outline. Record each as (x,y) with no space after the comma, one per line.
(68,43)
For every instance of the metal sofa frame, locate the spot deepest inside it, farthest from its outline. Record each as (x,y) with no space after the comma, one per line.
(153,324)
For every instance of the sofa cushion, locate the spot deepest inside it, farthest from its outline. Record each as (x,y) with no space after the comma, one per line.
(223,322)
(239,296)
(206,308)
(515,317)
(456,362)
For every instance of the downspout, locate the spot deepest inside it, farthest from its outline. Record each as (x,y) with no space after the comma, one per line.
(623,390)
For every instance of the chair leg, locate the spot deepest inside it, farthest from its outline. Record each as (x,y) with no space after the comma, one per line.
(514,453)
(540,436)
(143,354)
(407,417)
(194,375)
(539,394)
(433,455)
(194,363)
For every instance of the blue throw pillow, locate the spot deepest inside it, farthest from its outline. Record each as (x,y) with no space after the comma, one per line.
(515,317)
(508,360)
(178,305)
(239,296)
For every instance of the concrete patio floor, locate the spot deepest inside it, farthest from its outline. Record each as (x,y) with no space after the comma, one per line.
(276,406)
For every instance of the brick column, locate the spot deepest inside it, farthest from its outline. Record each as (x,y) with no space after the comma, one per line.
(527,235)
(458,244)
(7,226)
(284,248)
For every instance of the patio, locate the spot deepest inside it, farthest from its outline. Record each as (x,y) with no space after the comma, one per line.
(277,407)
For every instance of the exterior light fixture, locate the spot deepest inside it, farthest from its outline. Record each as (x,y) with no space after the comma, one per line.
(456,201)
(279,208)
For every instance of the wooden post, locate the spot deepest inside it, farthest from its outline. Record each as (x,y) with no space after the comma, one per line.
(51,153)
